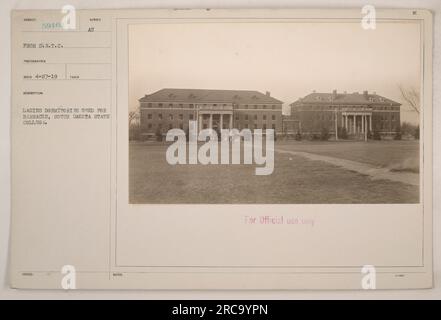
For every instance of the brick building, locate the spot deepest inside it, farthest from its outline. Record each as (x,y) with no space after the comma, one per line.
(216,109)
(358,114)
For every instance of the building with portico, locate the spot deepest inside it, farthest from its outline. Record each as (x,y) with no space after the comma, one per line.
(358,114)
(216,109)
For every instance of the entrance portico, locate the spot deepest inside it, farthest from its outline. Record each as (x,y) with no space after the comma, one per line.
(220,117)
(357,122)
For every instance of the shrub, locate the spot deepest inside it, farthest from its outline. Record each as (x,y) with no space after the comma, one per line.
(158,134)
(298,136)
(416,133)
(370,135)
(377,135)
(342,133)
(408,129)
(397,135)
(134,132)
(324,134)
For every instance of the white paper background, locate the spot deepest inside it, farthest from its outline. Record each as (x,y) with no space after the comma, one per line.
(7,5)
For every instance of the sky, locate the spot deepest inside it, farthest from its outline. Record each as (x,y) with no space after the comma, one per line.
(290,60)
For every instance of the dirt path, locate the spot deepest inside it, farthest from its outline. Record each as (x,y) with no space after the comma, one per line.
(375,173)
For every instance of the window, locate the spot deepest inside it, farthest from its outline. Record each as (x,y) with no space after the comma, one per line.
(255,106)
(191,105)
(149,105)
(246,106)
(214,105)
(264,106)
(170,105)
(160,116)
(264,127)
(273,117)
(246,125)
(181,117)
(246,117)
(160,104)
(237,118)
(264,117)
(273,107)
(181,126)
(181,105)
(273,127)
(149,126)
(190,116)
(149,116)
(170,116)
(255,117)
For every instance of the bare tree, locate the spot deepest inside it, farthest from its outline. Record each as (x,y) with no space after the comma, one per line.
(134,125)
(133,117)
(412,97)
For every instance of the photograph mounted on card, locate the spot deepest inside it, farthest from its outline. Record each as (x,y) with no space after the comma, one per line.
(222,149)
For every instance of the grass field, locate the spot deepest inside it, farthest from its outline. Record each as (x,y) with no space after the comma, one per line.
(294,180)
(395,155)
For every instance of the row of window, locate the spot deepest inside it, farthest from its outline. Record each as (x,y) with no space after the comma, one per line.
(387,108)
(384,126)
(329,117)
(191,117)
(256,117)
(245,106)
(191,105)
(385,117)
(170,116)
(205,126)
(341,108)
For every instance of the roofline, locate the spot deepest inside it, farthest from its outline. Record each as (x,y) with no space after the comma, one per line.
(214,101)
(209,101)
(396,104)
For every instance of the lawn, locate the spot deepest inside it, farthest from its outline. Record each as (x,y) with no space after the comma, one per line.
(294,180)
(395,155)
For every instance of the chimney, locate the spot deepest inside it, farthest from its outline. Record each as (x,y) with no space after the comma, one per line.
(365,93)
(268,94)
(334,94)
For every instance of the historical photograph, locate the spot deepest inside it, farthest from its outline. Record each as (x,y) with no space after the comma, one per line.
(296,112)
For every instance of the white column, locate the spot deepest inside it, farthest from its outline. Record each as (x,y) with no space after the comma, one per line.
(221,121)
(365,127)
(200,122)
(211,121)
(355,123)
(231,121)
(362,123)
(346,122)
(370,122)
